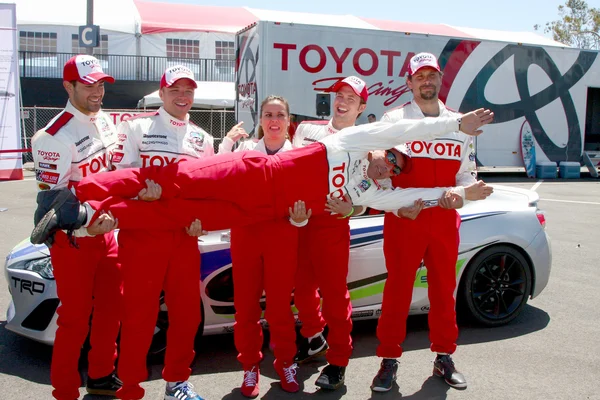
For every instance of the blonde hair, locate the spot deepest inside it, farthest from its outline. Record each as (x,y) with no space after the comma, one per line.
(271,98)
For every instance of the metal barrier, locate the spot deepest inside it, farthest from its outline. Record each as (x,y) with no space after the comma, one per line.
(215,122)
(139,68)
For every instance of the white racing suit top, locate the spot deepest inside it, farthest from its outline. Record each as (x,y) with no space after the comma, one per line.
(250,144)
(158,139)
(72,146)
(312,131)
(226,145)
(347,155)
(309,132)
(454,147)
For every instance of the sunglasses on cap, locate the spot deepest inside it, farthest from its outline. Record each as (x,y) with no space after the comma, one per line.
(391,160)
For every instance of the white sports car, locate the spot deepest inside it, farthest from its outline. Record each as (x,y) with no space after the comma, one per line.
(504,259)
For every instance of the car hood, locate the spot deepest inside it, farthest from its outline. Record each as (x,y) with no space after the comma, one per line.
(27,250)
(504,198)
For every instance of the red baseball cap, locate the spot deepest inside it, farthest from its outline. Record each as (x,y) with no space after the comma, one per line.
(422,60)
(85,69)
(358,86)
(175,73)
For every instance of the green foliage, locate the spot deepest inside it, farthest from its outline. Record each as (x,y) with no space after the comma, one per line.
(578,26)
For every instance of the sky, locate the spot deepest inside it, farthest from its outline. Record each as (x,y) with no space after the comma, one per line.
(509,15)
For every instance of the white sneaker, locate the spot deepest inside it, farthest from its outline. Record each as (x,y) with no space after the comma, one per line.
(181,391)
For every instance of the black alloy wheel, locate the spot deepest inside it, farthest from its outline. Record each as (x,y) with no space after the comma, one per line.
(496,285)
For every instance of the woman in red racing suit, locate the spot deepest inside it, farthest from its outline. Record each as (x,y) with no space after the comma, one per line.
(264,258)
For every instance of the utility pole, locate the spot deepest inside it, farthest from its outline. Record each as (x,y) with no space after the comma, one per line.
(90,21)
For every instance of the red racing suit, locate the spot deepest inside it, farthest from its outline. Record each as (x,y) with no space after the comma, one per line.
(215,189)
(323,256)
(264,258)
(72,146)
(158,260)
(433,237)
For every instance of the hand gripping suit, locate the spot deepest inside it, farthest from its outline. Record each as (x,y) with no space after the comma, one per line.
(432,237)
(154,261)
(323,256)
(71,147)
(264,257)
(216,190)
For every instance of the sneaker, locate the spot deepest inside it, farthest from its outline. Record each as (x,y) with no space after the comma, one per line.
(287,376)
(332,377)
(250,385)
(65,212)
(311,348)
(105,386)
(443,366)
(181,391)
(386,376)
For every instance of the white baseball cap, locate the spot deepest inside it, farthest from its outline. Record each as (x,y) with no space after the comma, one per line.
(85,69)
(175,73)
(422,60)
(358,86)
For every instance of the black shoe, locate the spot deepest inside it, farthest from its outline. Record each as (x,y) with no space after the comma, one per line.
(332,377)
(106,386)
(443,366)
(311,348)
(64,212)
(46,200)
(385,378)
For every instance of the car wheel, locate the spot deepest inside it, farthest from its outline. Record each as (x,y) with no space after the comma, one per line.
(159,340)
(496,285)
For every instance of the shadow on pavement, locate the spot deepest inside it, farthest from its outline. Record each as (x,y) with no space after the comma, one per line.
(530,320)
(217,353)
(30,360)
(432,388)
(23,357)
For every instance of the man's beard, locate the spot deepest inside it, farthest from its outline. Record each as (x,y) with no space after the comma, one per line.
(94,108)
(429,95)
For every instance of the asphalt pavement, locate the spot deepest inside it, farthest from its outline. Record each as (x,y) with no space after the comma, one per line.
(551,351)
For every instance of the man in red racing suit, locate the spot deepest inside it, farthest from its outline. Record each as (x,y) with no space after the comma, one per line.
(161,260)
(432,236)
(75,144)
(324,251)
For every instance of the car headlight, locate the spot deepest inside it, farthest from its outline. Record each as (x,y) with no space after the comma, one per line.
(41,266)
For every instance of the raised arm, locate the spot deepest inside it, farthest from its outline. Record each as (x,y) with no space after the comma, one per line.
(383,135)
(236,133)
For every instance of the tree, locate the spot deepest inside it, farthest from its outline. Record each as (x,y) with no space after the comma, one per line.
(578,25)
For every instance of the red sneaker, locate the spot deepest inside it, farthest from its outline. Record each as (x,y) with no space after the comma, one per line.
(250,385)
(287,376)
